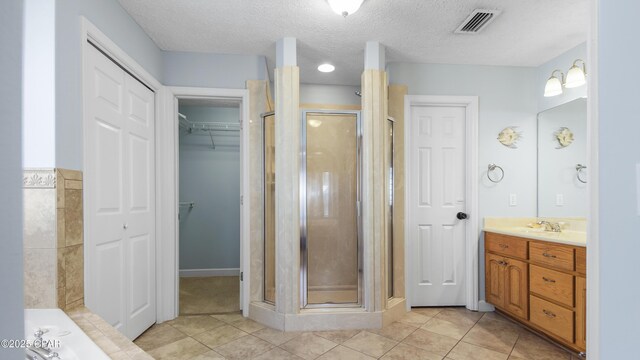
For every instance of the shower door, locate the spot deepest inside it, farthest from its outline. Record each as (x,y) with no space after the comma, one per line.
(389,192)
(330,202)
(269,178)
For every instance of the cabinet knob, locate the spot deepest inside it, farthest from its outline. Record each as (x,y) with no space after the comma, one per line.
(548,280)
(547,255)
(549,313)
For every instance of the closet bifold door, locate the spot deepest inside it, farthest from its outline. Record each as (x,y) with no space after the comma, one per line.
(269,167)
(330,229)
(120,191)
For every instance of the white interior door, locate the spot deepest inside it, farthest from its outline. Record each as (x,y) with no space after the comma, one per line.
(120,195)
(436,196)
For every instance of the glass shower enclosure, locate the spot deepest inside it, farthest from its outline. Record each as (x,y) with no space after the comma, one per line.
(330,197)
(269,181)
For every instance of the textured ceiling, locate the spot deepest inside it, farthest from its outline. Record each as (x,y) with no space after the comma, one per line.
(527,33)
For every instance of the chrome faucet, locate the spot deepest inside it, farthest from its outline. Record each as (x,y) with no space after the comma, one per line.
(550,226)
(39,350)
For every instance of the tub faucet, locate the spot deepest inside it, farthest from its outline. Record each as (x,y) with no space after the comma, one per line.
(39,350)
(550,226)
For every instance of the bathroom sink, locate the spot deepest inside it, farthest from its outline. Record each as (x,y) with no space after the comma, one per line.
(570,237)
(527,229)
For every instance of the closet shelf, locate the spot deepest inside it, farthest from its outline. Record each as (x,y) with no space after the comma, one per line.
(205,127)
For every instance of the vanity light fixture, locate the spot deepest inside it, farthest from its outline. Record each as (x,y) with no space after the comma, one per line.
(326,68)
(345,7)
(576,76)
(554,84)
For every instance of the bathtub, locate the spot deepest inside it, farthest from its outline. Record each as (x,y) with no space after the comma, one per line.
(74,343)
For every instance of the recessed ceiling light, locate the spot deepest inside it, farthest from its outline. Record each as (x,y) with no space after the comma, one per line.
(326,68)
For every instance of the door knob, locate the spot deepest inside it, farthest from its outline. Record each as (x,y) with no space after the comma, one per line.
(461,216)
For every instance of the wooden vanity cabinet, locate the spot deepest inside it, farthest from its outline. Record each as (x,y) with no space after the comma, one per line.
(506,274)
(581,313)
(540,284)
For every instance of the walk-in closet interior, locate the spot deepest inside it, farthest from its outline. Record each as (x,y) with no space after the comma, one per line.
(209,209)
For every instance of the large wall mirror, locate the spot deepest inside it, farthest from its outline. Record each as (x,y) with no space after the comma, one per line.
(562,156)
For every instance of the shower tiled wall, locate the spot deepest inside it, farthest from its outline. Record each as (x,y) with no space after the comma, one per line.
(53,238)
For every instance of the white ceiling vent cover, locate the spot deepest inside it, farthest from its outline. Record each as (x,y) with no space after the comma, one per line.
(478,20)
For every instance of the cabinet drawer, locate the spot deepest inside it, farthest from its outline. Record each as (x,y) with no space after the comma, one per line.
(552,318)
(560,257)
(506,245)
(581,260)
(551,284)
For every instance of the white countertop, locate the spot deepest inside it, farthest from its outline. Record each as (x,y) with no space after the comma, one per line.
(573,233)
(574,238)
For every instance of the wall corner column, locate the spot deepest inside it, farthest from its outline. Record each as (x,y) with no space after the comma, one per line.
(374,117)
(287,166)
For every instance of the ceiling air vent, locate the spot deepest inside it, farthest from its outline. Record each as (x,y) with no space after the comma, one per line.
(478,20)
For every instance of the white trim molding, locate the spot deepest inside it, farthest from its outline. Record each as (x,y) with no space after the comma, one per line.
(209,272)
(470,103)
(39,178)
(170,184)
(593,184)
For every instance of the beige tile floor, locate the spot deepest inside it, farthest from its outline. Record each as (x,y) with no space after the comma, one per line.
(209,295)
(423,334)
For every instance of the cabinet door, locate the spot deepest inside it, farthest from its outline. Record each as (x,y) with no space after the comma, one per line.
(516,284)
(494,279)
(581,313)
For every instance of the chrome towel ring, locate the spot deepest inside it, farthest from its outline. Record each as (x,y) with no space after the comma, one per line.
(492,168)
(580,173)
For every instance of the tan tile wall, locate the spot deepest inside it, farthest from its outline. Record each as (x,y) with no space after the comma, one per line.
(70,239)
(53,238)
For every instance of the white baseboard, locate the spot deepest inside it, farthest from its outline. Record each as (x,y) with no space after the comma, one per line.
(209,272)
(484,306)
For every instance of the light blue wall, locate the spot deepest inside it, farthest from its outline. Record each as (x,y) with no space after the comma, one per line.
(329,94)
(506,98)
(212,70)
(11,269)
(39,93)
(619,158)
(562,62)
(116,23)
(170,68)
(210,232)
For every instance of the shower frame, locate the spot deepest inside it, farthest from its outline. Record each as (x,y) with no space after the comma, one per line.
(303,211)
(263,116)
(390,188)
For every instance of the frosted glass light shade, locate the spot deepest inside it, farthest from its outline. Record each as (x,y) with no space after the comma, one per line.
(575,77)
(326,68)
(553,87)
(345,7)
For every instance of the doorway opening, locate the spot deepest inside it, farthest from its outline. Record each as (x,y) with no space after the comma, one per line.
(209,211)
